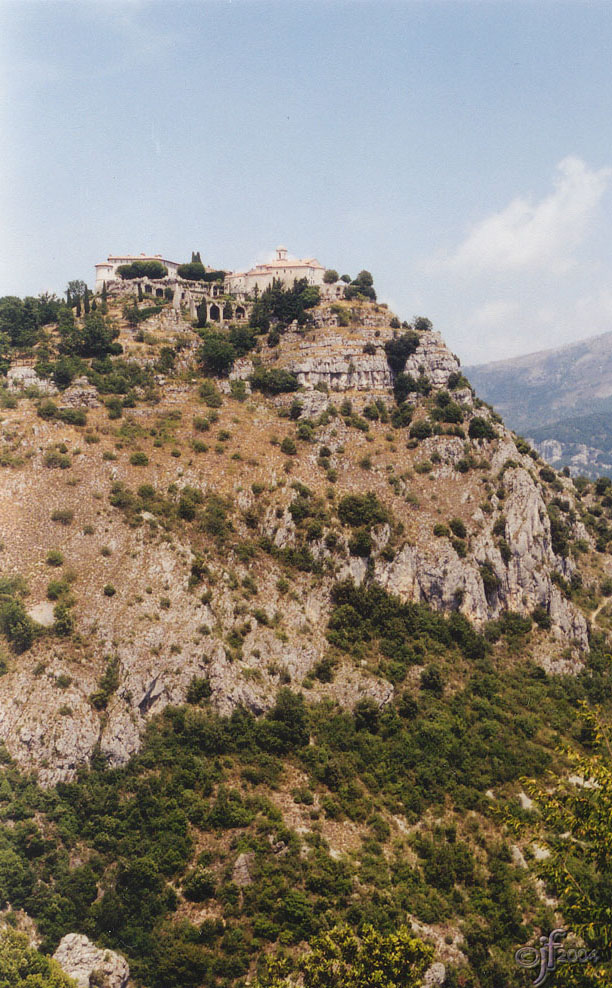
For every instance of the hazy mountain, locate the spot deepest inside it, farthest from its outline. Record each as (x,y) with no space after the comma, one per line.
(561,399)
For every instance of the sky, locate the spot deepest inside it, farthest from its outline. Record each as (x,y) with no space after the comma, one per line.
(461,151)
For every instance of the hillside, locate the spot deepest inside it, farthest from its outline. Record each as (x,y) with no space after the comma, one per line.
(561,399)
(280,603)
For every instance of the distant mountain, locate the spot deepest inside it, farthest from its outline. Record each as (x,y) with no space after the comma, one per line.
(560,399)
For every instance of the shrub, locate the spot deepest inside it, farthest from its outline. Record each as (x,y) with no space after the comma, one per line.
(109,590)
(54,558)
(199,689)
(142,269)
(401,417)
(440,531)
(330,277)
(458,528)
(360,543)
(288,446)
(53,458)
(490,579)
(107,685)
(431,680)
(210,394)
(217,354)
(72,416)
(139,459)
(195,271)
(275,381)
(399,349)
(421,430)
(199,885)
(64,516)
(359,510)
(481,429)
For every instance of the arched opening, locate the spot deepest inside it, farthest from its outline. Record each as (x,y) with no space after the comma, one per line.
(214,313)
(239,313)
(227,311)
(159,292)
(149,289)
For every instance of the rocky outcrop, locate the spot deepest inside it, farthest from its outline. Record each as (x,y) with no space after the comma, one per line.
(21,376)
(339,361)
(435,574)
(80,394)
(90,966)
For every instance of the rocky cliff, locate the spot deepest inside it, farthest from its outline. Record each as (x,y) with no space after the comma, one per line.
(201,545)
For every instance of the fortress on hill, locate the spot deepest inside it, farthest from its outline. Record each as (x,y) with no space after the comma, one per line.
(226,294)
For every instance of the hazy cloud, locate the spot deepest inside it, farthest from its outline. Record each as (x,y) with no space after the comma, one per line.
(536,235)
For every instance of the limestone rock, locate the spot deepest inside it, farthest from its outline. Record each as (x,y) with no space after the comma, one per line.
(90,966)
(434,975)
(241,875)
(80,394)
(22,376)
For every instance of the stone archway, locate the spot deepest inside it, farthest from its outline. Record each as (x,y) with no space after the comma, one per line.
(239,313)
(214,313)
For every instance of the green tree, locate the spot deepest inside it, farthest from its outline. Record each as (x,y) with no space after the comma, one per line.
(217,354)
(97,336)
(142,269)
(21,966)
(192,272)
(341,959)
(575,826)
(75,291)
(330,277)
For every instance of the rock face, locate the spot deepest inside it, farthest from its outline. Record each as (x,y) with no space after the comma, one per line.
(80,394)
(90,966)
(22,376)
(339,361)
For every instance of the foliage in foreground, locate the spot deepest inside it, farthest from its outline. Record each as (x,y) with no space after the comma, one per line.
(21,966)
(340,957)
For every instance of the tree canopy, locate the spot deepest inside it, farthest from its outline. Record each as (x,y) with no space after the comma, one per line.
(21,966)
(342,958)
(142,269)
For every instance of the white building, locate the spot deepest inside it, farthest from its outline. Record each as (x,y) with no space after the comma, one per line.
(107,270)
(282,268)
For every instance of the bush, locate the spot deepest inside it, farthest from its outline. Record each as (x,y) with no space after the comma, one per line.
(64,516)
(54,558)
(421,430)
(330,277)
(360,543)
(359,510)
(53,458)
(199,885)
(431,680)
(109,590)
(72,416)
(142,269)
(481,429)
(399,349)
(139,459)
(288,446)
(217,354)
(275,381)
(192,272)
(458,528)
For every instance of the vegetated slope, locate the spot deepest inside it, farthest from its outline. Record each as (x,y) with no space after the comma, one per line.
(561,399)
(331,591)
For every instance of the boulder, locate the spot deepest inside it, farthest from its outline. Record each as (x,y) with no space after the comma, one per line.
(90,966)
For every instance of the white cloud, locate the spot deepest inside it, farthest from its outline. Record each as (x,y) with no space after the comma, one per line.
(531,236)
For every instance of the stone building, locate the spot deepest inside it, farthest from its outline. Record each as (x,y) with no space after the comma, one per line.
(282,268)
(107,270)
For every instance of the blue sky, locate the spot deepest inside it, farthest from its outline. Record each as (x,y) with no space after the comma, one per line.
(460,151)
